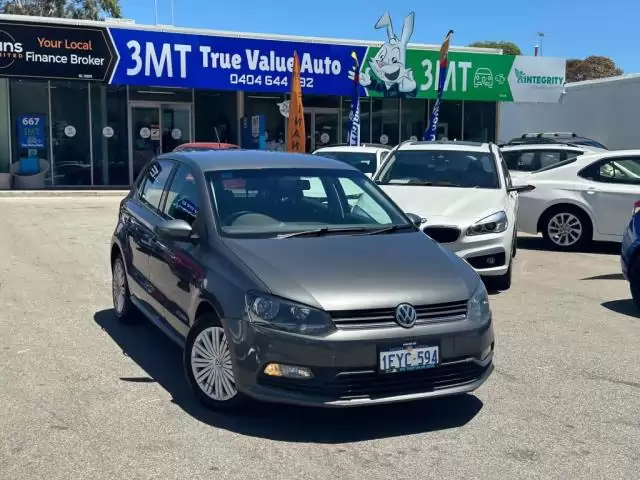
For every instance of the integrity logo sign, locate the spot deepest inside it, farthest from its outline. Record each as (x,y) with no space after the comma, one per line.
(538,80)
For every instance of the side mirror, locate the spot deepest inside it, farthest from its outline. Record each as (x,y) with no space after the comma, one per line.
(417,220)
(176,229)
(521,188)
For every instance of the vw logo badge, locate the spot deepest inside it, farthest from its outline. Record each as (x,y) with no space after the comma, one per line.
(406,315)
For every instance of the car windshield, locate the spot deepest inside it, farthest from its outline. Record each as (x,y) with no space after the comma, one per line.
(202,148)
(365,162)
(278,202)
(446,168)
(589,143)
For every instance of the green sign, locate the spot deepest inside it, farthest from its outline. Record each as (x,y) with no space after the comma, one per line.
(393,70)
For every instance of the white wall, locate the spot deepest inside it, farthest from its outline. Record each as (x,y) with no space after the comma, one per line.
(605,110)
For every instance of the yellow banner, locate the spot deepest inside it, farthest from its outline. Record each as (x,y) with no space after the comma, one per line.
(296,135)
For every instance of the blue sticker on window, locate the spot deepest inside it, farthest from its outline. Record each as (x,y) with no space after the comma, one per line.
(187,206)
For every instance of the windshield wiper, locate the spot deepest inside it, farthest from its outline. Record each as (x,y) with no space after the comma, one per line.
(318,232)
(391,229)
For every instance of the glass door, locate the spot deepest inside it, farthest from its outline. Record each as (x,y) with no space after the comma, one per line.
(145,135)
(322,126)
(176,126)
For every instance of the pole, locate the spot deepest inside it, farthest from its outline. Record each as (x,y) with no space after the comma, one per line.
(155,2)
(173,14)
(541,36)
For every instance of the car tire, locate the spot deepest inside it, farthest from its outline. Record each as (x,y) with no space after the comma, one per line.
(634,282)
(209,367)
(578,233)
(123,307)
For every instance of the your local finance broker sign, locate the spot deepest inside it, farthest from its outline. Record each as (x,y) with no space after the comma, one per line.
(36,50)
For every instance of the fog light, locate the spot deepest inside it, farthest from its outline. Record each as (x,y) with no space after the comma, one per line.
(491,260)
(288,371)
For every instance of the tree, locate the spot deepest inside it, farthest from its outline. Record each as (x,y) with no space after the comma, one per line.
(508,48)
(80,9)
(591,68)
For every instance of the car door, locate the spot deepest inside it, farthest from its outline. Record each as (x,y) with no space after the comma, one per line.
(140,215)
(175,268)
(611,187)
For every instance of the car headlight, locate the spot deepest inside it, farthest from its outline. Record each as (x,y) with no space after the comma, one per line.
(280,314)
(478,309)
(496,223)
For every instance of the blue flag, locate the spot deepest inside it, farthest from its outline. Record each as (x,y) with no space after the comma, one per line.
(431,132)
(353,134)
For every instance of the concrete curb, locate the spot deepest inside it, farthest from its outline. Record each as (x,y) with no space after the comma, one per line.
(61,193)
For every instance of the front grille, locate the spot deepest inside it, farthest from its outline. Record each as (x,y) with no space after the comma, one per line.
(370,384)
(443,234)
(386,317)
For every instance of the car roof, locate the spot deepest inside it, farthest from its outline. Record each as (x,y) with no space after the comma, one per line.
(215,145)
(214,160)
(353,148)
(446,145)
(547,146)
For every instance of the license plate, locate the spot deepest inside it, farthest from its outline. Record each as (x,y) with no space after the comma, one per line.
(409,358)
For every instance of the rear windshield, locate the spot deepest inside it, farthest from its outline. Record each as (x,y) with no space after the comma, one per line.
(590,143)
(365,162)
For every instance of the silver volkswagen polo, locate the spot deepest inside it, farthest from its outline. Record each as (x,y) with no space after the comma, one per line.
(282,285)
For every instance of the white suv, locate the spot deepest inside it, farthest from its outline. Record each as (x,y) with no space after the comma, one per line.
(366,158)
(526,158)
(464,191)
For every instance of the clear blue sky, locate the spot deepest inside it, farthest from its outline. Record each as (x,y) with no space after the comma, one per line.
(574,29)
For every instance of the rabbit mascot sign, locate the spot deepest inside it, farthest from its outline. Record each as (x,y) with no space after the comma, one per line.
(387,73)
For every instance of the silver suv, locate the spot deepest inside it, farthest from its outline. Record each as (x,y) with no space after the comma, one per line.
(279,295)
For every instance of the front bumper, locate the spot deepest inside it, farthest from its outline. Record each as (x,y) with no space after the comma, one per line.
(489,254)
(344,364)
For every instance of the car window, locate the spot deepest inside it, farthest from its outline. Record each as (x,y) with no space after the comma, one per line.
(365,162)
(572,154)
(182,196)
(521,161)
(274,201)
(449,168)
(549,157)
(618,170)
(154,181)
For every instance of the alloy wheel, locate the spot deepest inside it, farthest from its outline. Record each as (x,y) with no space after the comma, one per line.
(565,229)
(211,365)
(119,287)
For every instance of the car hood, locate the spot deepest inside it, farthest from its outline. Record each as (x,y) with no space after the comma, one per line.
(353,272)
(453,204)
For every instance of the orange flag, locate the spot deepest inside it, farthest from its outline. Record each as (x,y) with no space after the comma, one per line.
(296,135)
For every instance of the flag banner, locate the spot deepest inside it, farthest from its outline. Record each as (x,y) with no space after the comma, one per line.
(431,132)
(354,114)
(296,135)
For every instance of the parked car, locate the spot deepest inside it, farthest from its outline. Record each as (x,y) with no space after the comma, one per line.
(524,159)
(280,297)
(367,158)
(198,146)
(466,194)
(581,199)
(554,137)
(631,253)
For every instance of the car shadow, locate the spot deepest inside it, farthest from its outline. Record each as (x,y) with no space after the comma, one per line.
(537,243)
(161,360)
(624,306)
(606,276)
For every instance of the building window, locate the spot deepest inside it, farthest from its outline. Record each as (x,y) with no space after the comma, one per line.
(450,120)
(30,120)
(386,119)
(70,120)
(415,115)
(110,135)
(365,119)
(480,121)
(216,116)
(267,105)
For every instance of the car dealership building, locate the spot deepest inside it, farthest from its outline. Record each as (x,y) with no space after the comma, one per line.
(95,100)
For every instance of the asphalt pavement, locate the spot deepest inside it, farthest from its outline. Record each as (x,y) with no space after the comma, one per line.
(82,397)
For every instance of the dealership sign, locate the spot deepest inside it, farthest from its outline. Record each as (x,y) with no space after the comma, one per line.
(144,57)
